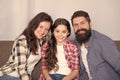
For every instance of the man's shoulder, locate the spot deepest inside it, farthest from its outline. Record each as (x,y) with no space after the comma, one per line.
(100,36)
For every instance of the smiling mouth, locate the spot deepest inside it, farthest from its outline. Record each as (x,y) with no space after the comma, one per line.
(60,38)
(81,32)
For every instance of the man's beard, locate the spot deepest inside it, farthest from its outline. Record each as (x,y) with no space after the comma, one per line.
(82,38)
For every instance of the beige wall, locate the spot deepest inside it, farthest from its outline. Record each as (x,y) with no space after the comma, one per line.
(15,14)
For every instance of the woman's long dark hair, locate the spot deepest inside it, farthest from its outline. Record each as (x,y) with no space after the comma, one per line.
(33,24)
(51,58)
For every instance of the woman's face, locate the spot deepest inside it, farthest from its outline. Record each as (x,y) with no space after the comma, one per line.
(61,33)
(42,29)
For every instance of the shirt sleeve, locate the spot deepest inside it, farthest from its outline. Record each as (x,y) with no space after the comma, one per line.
(20,57)
(75,59)
(43,52)
(111,54)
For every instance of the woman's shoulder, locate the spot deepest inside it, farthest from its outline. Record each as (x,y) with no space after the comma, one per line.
(21,40)
(21,37)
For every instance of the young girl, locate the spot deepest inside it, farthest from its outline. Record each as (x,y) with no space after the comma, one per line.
(59,56)
(26,49)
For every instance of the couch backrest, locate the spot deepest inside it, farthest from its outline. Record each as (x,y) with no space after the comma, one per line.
(6,46)
(117,44)
(5,50)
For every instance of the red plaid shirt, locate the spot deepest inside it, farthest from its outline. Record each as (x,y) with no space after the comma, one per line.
(71,55)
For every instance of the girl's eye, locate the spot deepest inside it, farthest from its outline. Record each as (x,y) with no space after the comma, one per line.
(41,26)
(64,31)
(47,29)
(57,31)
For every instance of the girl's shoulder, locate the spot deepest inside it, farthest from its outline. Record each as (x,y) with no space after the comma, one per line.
(70,44)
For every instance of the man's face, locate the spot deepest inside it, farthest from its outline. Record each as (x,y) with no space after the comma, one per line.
(82,29)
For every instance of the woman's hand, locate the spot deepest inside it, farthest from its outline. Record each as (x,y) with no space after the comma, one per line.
(48,78)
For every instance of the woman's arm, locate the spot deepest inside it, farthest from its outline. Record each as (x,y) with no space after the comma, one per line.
(20,55)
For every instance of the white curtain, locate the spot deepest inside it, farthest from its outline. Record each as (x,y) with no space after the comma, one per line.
(15,14)
(14,17)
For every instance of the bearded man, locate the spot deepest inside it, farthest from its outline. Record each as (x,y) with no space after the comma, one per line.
(99,56)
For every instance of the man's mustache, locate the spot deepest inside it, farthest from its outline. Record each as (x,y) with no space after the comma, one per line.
(81,30)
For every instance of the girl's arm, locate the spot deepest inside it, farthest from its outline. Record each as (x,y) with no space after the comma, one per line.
(44,67)
(72,75)
(46,74)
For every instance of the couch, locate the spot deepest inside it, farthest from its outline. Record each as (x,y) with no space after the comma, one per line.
(5,48)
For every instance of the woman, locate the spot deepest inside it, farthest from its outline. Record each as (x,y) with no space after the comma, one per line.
(59,56)
(26,49)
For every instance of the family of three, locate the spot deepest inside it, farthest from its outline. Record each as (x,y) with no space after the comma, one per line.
(91,56)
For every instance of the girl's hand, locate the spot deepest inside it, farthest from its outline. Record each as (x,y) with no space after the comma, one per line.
(66,78)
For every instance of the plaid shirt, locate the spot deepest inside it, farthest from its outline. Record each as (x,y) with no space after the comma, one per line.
(18,59)
(71,55)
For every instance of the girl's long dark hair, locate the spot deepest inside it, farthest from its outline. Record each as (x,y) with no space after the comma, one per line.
(33,24)
(51,58)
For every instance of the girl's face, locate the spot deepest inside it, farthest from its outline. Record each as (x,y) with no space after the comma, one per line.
(42,29)
(61,33)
